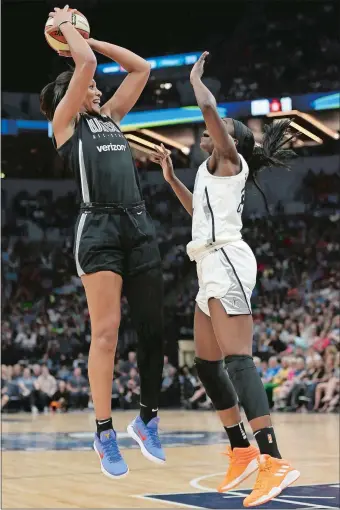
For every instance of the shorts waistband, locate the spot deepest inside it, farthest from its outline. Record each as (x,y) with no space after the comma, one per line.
(92,207)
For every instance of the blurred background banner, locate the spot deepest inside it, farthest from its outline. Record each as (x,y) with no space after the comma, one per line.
(188,114)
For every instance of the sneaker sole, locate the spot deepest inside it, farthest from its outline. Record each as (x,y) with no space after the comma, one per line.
(106,473)
(250,469)
(144,451)
(289,479)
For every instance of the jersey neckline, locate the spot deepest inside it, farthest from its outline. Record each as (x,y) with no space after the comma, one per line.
(235,177)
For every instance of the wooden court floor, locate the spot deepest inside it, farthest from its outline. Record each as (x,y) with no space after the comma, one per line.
(47,461)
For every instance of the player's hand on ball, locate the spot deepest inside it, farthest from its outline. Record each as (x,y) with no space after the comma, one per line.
(60,16)
(162,157)
(65,54)
(198,69)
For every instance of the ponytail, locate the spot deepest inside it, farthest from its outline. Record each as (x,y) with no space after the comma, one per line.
(271,153)
(52,94)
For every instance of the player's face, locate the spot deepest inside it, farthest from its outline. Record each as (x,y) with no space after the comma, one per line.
(92,100)
(207,144)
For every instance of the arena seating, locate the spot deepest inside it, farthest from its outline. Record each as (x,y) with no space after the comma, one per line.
(295,305)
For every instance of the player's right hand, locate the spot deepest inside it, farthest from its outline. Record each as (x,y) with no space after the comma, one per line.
(162,157)
(61,15)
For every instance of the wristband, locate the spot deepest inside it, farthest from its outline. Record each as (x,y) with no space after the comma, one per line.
(63,23)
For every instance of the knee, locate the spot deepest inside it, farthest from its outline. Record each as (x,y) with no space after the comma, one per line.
(105,334)
(239,363)
(248,385)
(216,382)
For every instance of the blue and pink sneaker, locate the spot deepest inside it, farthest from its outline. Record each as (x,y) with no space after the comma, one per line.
(148,439)
(106,447)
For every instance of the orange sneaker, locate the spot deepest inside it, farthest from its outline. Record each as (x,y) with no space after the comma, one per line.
(242,463)
(274,476)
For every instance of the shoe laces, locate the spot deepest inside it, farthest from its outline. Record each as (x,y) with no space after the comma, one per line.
(264,468)
(233,459)
(111,450)
(228,453)
(154,438)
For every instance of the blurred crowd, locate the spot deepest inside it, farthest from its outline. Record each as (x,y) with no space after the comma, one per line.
(51,385)
(277,51)
(287,53)
(46,327)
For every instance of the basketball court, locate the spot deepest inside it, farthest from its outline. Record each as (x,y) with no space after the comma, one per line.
(47,462)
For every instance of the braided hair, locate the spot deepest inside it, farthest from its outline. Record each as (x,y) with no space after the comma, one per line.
(269,154)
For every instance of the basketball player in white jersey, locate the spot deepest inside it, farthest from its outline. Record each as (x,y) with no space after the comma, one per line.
(226,269)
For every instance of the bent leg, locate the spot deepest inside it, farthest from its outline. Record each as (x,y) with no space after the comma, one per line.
(234,335)
(210,368)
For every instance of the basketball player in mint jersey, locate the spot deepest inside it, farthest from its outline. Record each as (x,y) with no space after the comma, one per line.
(226,269)
(114,237)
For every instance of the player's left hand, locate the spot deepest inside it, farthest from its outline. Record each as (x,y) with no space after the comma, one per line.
(198,69)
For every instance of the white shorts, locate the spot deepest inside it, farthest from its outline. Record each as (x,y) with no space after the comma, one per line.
(227,274)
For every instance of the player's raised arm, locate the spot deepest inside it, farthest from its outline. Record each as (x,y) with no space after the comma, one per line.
(133,85)
(85,66)
(223,142)
(162,157)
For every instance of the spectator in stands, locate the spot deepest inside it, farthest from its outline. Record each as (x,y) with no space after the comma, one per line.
(61,398)
(80,362)
(17,372)
(45,386)
(170,391)
(322,386)
(332,388)
(257,363)
(269,375)
(295,375)
(272,370)
(199,400)
(27,388)
(131,396)
(9,388)
(133,374)
(188,382)
(36,370)
(64,373)
(131,362)
(167,368)
(79,390)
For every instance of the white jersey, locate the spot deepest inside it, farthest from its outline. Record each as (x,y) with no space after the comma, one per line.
(217,209)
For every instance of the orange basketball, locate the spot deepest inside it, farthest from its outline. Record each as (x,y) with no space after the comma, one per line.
(56,39)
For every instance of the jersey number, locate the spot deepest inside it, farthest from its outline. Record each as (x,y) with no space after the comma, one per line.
(241,204)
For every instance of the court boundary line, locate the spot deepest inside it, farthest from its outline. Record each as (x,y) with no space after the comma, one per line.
(234,494)
(196,485)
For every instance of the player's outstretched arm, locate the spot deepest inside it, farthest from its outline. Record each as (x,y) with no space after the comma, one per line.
(223,142)
(133,85)
(162,157)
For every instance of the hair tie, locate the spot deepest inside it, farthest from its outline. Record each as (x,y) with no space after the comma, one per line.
(63,23)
